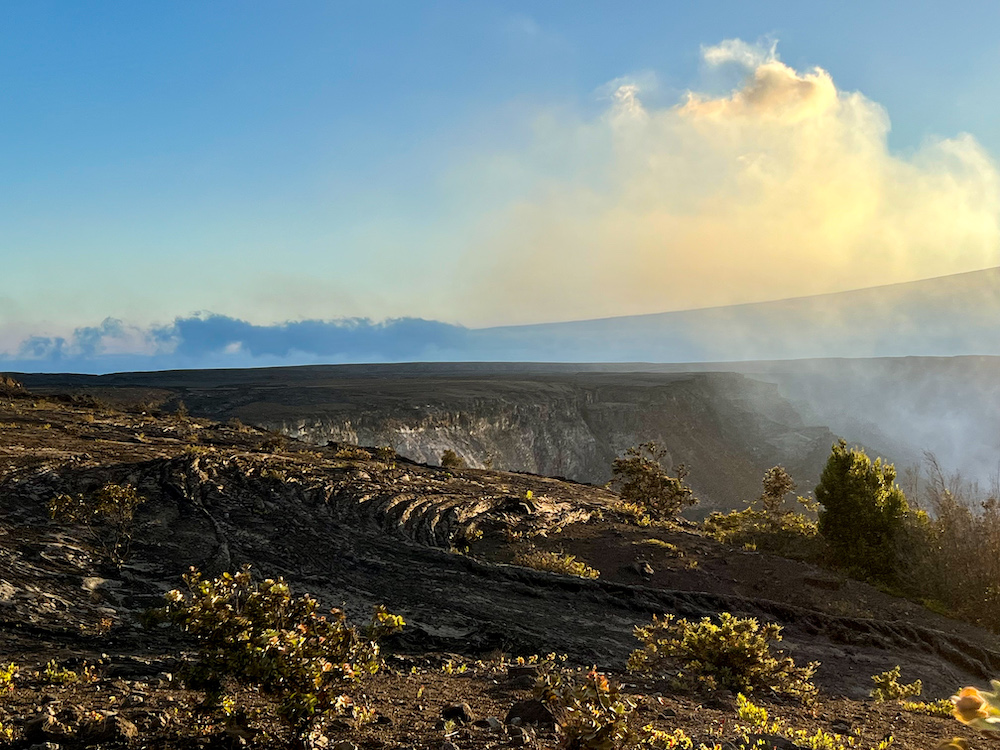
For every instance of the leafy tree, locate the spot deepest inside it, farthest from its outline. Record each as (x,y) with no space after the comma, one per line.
(777,483)
(863,512)
(639,477)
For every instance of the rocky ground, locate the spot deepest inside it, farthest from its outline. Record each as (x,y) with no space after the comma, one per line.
(358,527)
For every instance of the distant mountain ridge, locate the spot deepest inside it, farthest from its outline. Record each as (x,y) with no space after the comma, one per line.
(943,316)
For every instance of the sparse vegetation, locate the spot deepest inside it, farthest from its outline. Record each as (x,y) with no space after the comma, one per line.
(258,633)
(949,557)
(237,425)
(788,534)
(108,515)
(640,479)
(937,708)
(352,453)
(270,684)
(53,674)
(758,723)
(555,562)
(732,653)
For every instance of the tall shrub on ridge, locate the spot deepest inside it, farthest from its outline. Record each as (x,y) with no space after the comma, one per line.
(863,512)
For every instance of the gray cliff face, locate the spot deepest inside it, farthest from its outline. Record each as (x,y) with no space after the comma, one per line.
(727,429)
(558,420)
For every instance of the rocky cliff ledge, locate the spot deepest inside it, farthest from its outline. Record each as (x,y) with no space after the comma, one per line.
(552,420)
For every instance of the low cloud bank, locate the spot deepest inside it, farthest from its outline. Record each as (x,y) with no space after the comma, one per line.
(206,341)
(948,316)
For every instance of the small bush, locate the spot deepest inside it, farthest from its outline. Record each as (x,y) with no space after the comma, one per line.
(258,633)
(108,515)
(632,513)
(733,653)
(275,443)
(554,562)
(386,454)
(639,478)
(8,673)
(352,453)
(596,716)
(888,688)
(451,460)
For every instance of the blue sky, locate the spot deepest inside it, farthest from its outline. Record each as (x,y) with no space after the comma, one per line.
(468,162)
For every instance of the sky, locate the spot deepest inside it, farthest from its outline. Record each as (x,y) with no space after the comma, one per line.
(371,181)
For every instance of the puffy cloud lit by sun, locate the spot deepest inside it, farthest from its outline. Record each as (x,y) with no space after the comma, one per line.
(782,187)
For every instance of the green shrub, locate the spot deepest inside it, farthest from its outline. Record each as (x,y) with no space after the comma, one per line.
(451,460)
(864,513)
(888,688)
(639,478)
(631,513)
(108,515)
(8,673)
(258,633)
(596,716)
(385,454)
(733,653)
(555,562)
(352,453)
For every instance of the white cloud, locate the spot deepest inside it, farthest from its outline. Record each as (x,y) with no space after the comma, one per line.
(740,52)
(783,187)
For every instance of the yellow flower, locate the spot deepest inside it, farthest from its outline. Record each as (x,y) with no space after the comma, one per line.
(970,705)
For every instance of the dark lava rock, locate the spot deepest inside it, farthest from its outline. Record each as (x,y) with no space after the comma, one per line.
(461,712)
(841,726)
(522,736)
(45,727)
(110,729)
(762,742)
(531,712)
